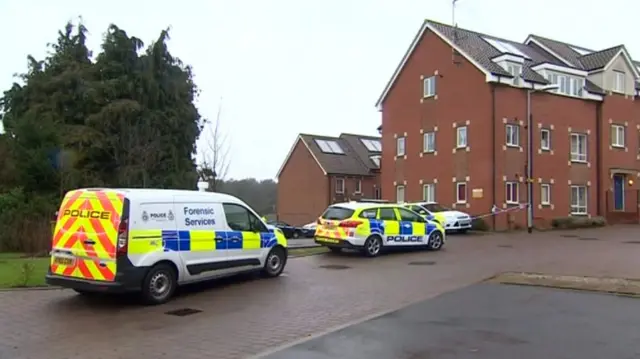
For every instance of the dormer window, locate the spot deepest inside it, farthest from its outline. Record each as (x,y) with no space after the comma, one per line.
(515,70)
(567,85)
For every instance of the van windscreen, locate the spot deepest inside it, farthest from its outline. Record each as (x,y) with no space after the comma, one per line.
(337,213)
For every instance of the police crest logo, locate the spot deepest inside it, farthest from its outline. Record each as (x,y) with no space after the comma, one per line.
(170,215)
(145,216)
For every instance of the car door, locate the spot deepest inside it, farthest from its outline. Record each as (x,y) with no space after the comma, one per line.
(390,224)
(244,237)
(412,227)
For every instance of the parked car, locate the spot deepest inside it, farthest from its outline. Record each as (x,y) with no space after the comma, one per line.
(309,229)
(288,230)
(452,220)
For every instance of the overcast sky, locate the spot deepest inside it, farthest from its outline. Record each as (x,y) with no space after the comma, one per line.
(283,67)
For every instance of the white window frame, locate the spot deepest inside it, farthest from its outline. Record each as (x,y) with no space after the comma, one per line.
(516,71)
(401,143)
(578,208)
(429,192)
(429,86)
(513,135)
(580,154)
(619,81)
(617,140)
(459,138)
(545,187)
(398,188)
(547,146)
(358,187)
(458,199)
(429,147)
(340,185)
(508,188)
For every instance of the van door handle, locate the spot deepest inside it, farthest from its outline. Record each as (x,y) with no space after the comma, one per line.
(218,239)
(89,242)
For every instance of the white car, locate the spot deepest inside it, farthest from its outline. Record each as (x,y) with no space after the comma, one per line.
(451,220)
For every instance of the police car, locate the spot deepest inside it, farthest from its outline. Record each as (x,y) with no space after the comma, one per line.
(152,240)
(370,227)
(451,220)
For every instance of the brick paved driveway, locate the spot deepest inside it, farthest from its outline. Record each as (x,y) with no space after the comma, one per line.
(240,318)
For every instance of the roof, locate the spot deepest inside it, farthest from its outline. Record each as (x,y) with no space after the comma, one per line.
(356,159)
(157,193)
(475,47)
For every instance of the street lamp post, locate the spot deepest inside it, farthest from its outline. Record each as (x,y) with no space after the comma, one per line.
(529,169)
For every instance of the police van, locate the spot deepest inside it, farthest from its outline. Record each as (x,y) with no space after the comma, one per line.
(370,227)
(152,240)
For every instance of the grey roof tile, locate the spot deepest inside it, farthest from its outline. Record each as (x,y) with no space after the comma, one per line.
(599,59)
(361,151)
(348,163)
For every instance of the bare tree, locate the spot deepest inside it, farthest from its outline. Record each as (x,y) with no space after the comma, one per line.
(215,162)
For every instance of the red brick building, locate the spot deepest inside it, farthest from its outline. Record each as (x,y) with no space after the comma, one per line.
(321,170)
(454,118)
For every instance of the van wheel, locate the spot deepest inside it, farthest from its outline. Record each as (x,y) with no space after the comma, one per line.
(373,246)
(159,284)
(275,262)
(436,241)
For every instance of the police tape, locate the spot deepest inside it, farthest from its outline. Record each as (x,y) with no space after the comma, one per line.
(495,210)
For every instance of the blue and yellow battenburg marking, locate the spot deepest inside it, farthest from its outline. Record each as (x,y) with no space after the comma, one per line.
(145,241)
(372,226)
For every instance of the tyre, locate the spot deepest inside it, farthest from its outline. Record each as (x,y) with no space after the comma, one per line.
(372,246)
(436,241)
(335,249)
(159,284)
(275,262)
(296,234)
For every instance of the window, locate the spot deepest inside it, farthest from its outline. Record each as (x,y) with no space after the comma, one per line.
(328,146)
(461,192)
(429,142)
(545,139)
(241,219)
(339,185)
(369,213)
(515,71)
(578,147)
(400,194)
(408,216)
(376,160)
(429,85)
(618,81)
(337,213)
(387,214)
(567,85)
(545,194)
(578,200)
(513,135)
(512,195)
(429,192)
(400,142)
(505,47)
(617,136)
(461,137)
(358,186)
(371,145)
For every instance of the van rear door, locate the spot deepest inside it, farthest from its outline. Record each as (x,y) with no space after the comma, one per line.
(86,234)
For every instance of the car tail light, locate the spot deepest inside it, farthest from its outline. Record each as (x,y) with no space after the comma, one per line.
(350,223)
(123,236)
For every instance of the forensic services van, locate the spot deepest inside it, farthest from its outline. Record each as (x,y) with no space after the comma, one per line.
(152,240)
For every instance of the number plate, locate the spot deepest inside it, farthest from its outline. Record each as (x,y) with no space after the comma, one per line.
(464,223)
(64,261)
(329,240)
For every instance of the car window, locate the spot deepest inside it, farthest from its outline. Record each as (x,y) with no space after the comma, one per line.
(369,213)
(241,219)
(387,214)
(419,210)
(337,213)
(435,207)
(408,216)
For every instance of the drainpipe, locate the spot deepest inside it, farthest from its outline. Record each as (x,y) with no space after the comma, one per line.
(598,156)
(493,153)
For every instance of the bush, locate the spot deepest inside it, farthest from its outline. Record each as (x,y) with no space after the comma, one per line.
(25,222)
(578,222)
(479,224)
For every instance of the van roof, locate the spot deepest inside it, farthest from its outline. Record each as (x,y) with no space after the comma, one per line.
(156,193)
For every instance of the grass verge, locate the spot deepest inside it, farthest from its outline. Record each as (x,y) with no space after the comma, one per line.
(20,271)
(593,284)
